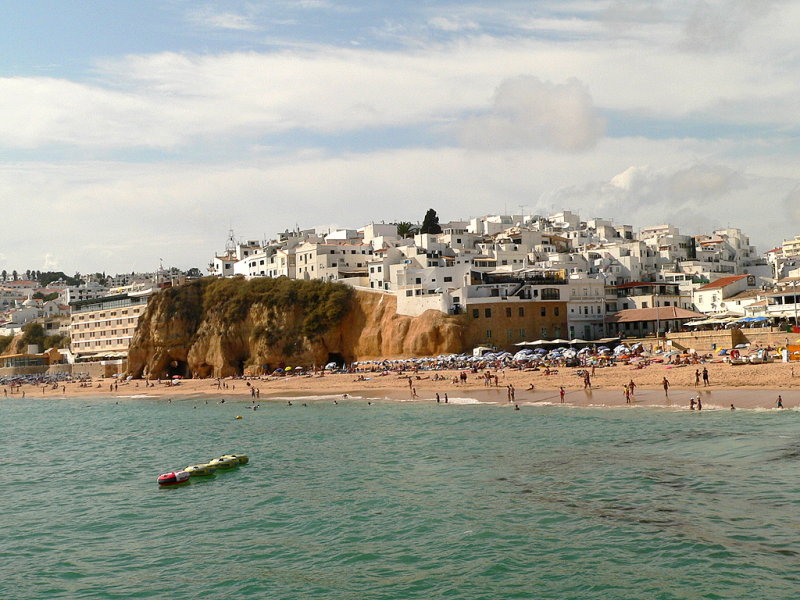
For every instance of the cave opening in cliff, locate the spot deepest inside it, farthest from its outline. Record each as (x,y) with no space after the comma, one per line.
(178,367)
(205,370)
(335,357)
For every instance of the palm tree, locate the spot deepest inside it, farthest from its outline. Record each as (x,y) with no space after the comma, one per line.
(4,274)
(406,229)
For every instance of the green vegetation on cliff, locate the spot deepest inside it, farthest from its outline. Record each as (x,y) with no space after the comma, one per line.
(321,305)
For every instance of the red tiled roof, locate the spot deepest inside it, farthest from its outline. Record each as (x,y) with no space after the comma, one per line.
(721,282)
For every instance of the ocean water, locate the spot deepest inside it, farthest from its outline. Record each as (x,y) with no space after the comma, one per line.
(398,501)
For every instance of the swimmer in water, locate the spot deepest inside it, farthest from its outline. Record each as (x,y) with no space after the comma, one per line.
(733,407)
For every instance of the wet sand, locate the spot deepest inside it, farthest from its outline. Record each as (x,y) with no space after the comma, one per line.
(746,386)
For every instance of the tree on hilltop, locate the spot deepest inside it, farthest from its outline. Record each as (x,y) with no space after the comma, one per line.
(430,224)
(406,229)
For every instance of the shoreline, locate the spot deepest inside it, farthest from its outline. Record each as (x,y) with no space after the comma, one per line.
(750,387)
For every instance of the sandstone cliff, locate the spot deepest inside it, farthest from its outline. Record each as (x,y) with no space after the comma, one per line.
(222,328)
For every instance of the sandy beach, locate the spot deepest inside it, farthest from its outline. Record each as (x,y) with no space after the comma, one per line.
(744,386)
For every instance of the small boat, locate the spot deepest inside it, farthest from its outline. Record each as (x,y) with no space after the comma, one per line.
(200,470)
(173,478)
(223,463)
(242,459)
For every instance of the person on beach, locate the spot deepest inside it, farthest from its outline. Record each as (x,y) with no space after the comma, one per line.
(516,407)
(437,398)
(562,393)
(627,393)
(780,402)
(705,377)
(632,387)
(587,381)
(665,383)
(691,403)
(733,407)
(699,403)
(696,377)
(445,398)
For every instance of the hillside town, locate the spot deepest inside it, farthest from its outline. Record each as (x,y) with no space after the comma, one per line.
(519,280)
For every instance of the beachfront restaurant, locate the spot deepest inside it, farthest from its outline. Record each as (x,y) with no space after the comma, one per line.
(641,322)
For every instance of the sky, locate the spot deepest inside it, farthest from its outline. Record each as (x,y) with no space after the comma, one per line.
(134,133)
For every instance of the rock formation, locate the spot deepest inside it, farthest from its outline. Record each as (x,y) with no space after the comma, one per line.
(222,327)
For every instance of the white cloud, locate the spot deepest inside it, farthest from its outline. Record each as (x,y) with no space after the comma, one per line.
(226,21)
(123,217)
(450,24)
(50,262)
(528,112)
(716,25)
(170,99)
(698,197)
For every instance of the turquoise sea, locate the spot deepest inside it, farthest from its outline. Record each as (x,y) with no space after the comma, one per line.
(397,501)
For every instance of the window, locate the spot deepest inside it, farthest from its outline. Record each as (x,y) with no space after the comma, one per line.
(522,333)
(644,304)
(409,293)
(487,312)
(510,334)
(448,279)
(475,313)
(543,311)
(521,311)
(550,294)
(508,311)
(488,334)
(555,311)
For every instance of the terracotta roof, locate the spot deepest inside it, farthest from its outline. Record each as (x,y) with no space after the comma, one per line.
(745,294)
(662,313)
(721,282)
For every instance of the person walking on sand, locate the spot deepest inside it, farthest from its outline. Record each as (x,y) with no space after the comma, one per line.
(780,402)
(696,377)
(665,383)
(627,392)
(562,393)
(705,377)
(632,387)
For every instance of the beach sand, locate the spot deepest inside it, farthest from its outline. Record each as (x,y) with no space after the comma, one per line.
(745,386)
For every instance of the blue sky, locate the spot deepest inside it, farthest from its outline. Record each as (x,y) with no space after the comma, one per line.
(133,131)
